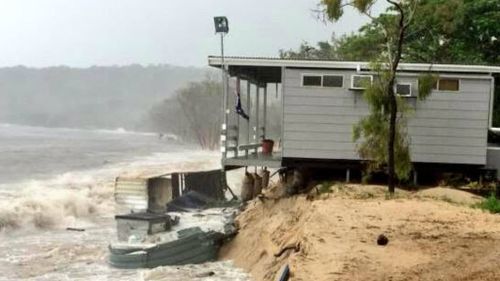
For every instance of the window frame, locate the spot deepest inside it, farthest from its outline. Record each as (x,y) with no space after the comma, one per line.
(322,75)
(360,75)
(449,78)
(334,87)
(405,84)
(311,86)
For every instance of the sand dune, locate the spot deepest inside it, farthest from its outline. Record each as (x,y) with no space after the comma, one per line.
(429,238)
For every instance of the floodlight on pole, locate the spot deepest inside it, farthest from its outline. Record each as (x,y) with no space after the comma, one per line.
(222,27)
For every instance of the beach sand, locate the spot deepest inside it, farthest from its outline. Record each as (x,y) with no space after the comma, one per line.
(433,235)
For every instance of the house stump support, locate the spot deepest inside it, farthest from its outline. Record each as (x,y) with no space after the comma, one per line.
(237,142)
(265,113)
(348,175)
(225,102)
(256,128)
(249,108)
(415,177)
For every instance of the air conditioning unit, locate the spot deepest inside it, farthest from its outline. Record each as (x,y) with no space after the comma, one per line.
(403,89)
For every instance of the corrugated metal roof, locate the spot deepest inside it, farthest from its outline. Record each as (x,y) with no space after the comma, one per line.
(317,63)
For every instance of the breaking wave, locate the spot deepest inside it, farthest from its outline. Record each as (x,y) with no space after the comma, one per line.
(42,204)
(124,131)
(72,198)
(119,130)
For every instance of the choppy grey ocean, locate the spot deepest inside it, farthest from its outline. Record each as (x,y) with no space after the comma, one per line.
(54,178)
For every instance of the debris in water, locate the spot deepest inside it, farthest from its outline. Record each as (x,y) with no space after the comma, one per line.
(75,229)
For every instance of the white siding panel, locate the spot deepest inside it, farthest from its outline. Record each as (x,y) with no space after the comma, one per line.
(321,127)
(460,96)
(449,127)
(323,101)
(446,158)
(427,158)
(448,150)
(322,145)
(326,136)
(448,123)
(347,136)
(447,132)
(415,140)
(322,154)
(467,142)
(454,105)
(450,114)
(475,85)
(321,119)
(414,148)
(325,110)
(322,93)
(354,111)
(316,130)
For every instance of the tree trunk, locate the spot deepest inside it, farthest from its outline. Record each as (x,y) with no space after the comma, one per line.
(393,107)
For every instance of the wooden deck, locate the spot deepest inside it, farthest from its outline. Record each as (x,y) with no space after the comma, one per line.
(259,159)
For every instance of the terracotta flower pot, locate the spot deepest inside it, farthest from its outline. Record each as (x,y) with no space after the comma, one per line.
(267,146)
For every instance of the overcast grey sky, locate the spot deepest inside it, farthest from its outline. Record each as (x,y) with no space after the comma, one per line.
(82,33)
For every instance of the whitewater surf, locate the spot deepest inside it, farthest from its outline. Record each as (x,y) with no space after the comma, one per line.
(54,179)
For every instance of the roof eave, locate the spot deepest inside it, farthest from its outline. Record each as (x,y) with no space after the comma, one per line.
(216,61)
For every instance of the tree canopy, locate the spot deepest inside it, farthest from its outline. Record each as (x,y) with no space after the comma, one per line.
(443,31)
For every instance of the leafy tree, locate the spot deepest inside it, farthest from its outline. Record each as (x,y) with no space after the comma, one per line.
(351,47)
(455,31)
(194,113)
(325,50)
(443,31)
(385,140)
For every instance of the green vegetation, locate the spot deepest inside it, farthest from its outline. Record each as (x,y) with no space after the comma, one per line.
(491,204)
(443,31)
(325,187)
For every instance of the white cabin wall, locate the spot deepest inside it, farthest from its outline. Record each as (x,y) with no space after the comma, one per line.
(449,127)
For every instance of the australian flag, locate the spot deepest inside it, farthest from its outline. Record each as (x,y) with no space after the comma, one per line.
(239,108)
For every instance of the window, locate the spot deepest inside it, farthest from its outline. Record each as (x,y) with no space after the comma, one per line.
(329,81)
(361,81)
(336,81)
(311,80)
(403,89)
(447,84)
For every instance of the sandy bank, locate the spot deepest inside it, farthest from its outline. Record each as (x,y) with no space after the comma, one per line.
(430,238)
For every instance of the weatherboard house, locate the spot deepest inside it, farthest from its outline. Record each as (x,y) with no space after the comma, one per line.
(321,100)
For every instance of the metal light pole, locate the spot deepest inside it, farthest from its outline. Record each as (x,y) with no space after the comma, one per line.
(222,27)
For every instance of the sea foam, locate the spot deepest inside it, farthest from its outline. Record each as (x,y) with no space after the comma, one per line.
(69,199)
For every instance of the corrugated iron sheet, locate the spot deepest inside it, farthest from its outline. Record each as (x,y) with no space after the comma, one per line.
(131,194)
